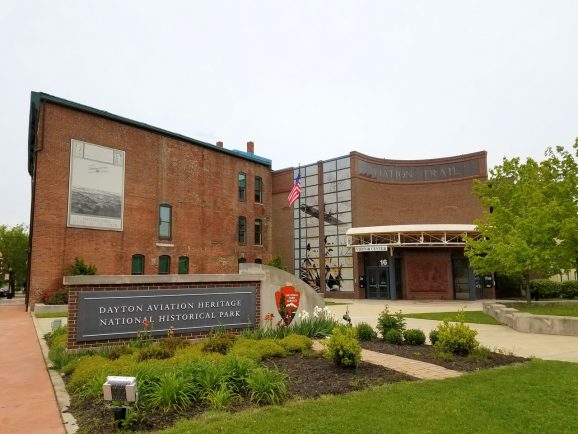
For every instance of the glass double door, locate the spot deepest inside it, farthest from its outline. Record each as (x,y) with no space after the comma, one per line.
(377,281)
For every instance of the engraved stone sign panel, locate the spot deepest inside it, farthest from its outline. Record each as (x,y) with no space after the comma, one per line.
(106,315)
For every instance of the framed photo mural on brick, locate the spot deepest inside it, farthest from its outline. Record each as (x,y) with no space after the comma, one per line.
(96,186)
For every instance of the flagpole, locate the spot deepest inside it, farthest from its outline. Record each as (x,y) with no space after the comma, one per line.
(299,214)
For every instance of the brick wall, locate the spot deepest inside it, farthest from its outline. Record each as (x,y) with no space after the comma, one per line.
(74,291)
(283,217)
(198,182)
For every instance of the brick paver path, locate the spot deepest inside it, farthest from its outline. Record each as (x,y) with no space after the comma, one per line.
(27,401)
(415,368)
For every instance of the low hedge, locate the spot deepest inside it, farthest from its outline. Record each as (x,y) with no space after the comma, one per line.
(550,289)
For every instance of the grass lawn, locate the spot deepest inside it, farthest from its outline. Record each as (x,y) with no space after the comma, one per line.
(558,309)
(536,397)
(51,315)
(474,316)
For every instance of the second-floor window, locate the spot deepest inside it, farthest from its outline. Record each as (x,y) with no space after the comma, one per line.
(242,186)
(165,222)
(258,232)
(242,230)
(258,189)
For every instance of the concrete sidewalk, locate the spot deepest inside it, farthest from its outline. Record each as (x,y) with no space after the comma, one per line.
(27,400)
(548,347)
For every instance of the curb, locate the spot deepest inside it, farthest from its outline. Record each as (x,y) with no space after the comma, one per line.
(62,396)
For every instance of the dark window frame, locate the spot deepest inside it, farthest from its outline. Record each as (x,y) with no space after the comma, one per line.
(186,261)
(161,257)
(242,230)
(169,222)
(258,233)
(258,189)
(137,256)
(242,184)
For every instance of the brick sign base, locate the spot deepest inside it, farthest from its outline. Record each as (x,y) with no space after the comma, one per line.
(108,314)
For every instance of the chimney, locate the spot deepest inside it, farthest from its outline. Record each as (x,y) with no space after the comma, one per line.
(250,147)
(219,144)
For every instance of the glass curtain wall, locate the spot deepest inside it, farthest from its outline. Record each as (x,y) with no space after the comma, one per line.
(333,212)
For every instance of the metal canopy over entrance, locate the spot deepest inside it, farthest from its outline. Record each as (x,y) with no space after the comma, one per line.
(427,235)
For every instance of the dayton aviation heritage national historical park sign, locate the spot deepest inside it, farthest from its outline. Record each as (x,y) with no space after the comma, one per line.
(122,314)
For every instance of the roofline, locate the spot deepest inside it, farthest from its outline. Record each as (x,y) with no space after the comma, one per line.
(412,228)
(36,98)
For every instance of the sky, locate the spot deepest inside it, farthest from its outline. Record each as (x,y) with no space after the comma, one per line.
(306,80)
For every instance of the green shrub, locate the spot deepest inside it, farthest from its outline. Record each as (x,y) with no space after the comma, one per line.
(480,353)
(388,321)
(209,376)
(458,339)
(172,344)
(59,334)
(414,337)
(170,391)
(222,398)
(315,327)
(219,343)
(57,297)
(113,353)
(545,288)
(433,336)
(365,332)
(343,347)
(80,268)
(266,386)
(238,370)
(393,336)
(569,289)
(296,343)
(258,349)
(60,357)
(153,352)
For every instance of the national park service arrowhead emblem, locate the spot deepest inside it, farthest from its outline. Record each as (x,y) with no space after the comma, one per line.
(287,303)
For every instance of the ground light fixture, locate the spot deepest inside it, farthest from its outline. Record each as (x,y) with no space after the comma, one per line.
(120,389)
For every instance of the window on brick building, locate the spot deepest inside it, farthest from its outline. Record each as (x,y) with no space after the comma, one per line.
(242,230)
(183,265)
(258,261)
(164,264)
(137,265)
(165,222)
(258,189)
(242,186)
(258,232)
(242,260)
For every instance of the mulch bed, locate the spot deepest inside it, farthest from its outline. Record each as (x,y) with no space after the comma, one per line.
(425,353)
(313,376)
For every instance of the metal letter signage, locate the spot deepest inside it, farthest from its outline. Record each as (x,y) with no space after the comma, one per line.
(413,174)
(121,314)
(361,249)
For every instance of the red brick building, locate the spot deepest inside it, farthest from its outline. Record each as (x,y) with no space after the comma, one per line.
(134,199)
(372,228)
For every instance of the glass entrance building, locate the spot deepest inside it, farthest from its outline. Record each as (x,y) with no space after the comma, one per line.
(387,229)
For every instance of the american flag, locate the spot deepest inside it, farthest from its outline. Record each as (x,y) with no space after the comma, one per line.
(295,191)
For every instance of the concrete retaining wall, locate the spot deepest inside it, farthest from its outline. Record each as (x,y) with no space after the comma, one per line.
(505,312)
(50,308)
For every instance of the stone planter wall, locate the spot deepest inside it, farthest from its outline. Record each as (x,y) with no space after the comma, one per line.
(506,313)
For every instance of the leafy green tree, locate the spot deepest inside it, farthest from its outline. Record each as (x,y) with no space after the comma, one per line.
(530,223)
(14,249)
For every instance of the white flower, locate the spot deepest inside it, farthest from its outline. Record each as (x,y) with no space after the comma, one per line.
(327,313)
(304,315)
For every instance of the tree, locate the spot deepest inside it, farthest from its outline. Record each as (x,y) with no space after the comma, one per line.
(14,249)
(531,219)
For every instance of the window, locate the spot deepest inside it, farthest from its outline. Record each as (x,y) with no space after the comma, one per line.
(242,230)
(242,186)
(165,222)
(258,261)
(242,260)
(183,265)
(164,264)
(258,189)
(137,266)
(258,232)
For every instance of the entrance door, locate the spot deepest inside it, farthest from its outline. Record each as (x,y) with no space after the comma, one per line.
(461,274)
(377,282)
